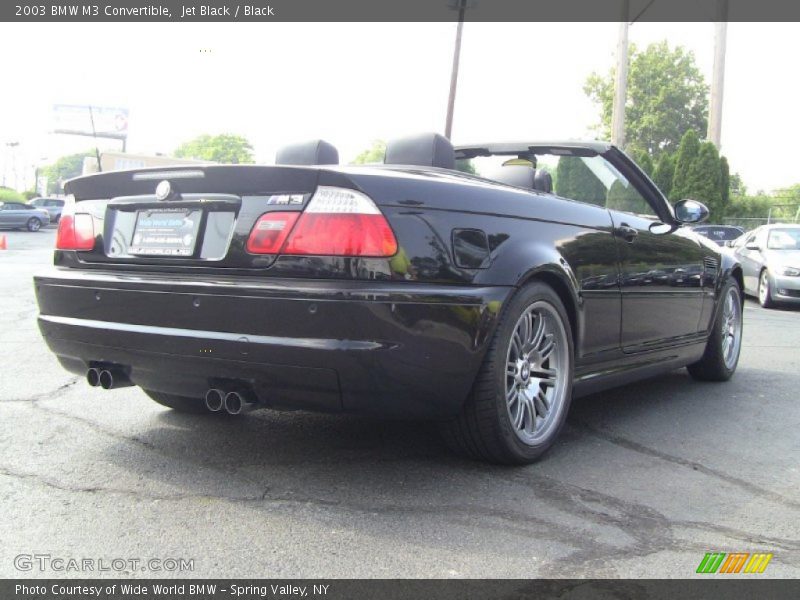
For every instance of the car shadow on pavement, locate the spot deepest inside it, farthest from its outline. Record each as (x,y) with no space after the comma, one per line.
(266,439)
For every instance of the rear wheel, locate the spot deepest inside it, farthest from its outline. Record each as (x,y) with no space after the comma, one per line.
(34,224)
(765,290)
(725,342)
(521,396)
(179,403)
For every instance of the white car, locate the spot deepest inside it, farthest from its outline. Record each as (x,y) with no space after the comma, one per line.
(770,258)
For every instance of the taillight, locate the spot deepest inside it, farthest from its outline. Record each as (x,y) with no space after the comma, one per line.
(341,222)
(270,232)
(75,232)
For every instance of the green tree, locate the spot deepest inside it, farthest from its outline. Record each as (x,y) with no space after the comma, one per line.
(373,154)
(223,148)
(576,181)
(737,186)
(667,96)
(724,181)
(63,169)
(703,181)
(687,153)
(664,173)
(642,158)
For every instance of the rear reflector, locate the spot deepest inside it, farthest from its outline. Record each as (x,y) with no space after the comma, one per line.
(75,232)
(270,232)
(341,222)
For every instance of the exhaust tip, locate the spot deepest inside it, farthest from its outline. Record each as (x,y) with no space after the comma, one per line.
(214,399)
(106,379)
(93,377)
(233,403)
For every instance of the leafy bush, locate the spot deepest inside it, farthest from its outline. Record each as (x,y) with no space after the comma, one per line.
(9,195)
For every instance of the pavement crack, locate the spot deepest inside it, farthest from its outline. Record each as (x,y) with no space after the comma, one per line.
(138,494)
(44,395)
(689,464)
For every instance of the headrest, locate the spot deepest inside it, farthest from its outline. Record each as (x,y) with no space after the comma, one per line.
(425,150)
(543,181)
(516,175)
(313,152)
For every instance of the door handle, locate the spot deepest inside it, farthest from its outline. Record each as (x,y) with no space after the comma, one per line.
(626,232)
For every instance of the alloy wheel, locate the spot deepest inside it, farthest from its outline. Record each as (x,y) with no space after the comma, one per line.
(731,327)
(763,287)
(537,364)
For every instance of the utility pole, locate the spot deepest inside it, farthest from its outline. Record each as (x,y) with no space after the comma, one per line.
(718,79)
(621,82)
(13,152)
(461,5)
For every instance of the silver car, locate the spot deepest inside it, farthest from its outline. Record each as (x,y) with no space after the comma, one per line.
(16,215)
(770,258)
(54,206)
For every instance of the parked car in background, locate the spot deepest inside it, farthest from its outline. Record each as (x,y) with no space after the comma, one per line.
(770,259)
(53,206)
(407,289)
(719,234)
(16,215)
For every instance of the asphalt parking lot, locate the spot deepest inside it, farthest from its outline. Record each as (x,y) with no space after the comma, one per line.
(644,481)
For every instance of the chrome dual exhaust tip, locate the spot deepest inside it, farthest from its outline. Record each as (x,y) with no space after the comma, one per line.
(233,403)
(107,379)
(93,377)
(215,399)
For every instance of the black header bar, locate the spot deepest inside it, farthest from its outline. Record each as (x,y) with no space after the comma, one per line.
(398,10)
(735,587)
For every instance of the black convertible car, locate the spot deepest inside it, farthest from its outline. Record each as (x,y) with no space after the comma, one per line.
(482,286)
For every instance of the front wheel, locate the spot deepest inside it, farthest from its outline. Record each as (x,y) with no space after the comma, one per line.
(521,396)
(765,290)
(34,224)
(725,342)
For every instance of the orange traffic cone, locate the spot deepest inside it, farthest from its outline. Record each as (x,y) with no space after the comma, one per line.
(3,243)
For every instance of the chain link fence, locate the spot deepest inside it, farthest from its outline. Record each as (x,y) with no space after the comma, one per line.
(779,213)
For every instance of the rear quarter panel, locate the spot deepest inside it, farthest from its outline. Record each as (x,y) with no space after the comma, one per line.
(530,235)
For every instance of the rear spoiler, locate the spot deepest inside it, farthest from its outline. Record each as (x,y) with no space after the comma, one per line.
(210,179)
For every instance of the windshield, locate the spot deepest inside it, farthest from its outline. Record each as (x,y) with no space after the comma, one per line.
(591,179)
(784,239)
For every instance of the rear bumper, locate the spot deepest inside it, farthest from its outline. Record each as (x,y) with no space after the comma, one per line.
(394,349)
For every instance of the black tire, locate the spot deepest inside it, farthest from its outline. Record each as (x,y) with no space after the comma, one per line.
(765,298)
(180,403)
(33,224)
(713,367)
(484,429)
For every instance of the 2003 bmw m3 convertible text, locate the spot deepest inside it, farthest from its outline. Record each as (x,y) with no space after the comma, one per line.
(481,286)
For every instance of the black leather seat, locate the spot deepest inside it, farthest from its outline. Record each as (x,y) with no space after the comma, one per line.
(313,152)
(425,150)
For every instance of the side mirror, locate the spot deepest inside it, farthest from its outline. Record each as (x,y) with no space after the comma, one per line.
(729,243)
(690,211)
(752,246)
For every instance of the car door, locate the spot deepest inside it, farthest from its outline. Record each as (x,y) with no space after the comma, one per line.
(661,271)
(750,258)
(14,214)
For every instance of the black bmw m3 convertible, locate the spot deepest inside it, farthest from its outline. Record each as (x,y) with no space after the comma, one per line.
(481,286)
